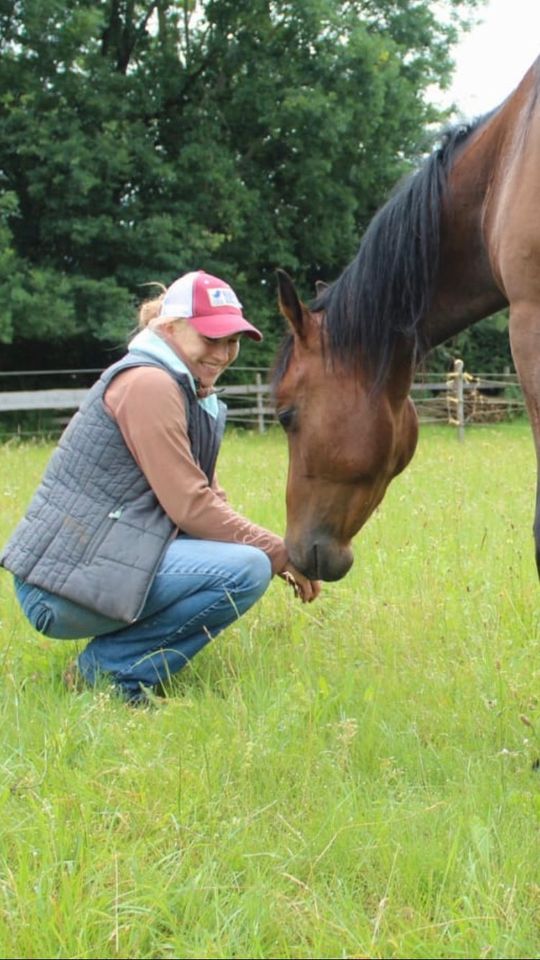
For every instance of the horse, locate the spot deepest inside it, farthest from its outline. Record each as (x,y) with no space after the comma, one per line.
(456,241)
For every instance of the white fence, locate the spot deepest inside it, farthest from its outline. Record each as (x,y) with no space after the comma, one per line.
(458,399)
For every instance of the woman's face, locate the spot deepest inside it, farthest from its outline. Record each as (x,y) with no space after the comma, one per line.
(206,358)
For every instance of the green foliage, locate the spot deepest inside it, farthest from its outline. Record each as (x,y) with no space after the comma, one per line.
(142,139)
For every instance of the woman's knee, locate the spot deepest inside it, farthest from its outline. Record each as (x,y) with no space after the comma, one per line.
(256,573)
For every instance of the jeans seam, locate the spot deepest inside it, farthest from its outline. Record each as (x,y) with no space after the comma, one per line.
(173,627)
(165,642)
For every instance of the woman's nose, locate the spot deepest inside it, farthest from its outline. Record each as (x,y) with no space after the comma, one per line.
(221,350)
(219,353)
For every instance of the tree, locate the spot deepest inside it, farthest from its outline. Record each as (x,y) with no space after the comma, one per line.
(142,139)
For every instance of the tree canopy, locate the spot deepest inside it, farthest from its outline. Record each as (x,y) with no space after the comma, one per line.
(139,140)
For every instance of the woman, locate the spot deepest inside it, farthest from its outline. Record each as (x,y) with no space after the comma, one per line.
(129,538)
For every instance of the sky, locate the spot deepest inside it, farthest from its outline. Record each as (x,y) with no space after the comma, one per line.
(493,56)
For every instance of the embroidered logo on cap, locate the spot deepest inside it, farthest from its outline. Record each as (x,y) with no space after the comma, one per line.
(223,297)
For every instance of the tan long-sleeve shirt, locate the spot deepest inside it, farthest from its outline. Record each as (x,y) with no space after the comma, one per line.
(151,415)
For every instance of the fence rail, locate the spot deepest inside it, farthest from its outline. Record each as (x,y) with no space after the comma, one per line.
(458,399)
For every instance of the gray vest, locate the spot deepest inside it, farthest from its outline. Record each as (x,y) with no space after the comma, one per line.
(94,531)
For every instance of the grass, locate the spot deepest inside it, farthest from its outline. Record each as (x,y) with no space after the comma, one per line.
(355,778)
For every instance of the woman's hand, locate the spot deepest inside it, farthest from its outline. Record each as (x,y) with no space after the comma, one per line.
(306,590)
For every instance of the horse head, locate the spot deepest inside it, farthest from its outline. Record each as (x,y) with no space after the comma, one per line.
(347,437)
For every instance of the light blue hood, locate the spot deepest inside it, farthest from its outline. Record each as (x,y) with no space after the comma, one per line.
(150,344)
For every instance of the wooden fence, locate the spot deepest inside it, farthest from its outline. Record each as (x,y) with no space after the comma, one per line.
(458,399)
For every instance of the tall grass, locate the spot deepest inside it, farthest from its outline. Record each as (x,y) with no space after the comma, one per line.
(354,778)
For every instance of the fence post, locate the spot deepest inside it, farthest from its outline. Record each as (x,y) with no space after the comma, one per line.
(260,403)
(460,405)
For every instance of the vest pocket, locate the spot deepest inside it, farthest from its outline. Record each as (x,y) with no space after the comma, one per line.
(98,537)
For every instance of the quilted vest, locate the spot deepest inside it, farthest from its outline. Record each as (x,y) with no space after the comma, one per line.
(94,531)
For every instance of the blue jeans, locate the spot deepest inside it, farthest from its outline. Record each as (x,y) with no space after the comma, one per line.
(201,587)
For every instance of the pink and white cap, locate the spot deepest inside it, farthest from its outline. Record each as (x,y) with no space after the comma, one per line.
(210,305)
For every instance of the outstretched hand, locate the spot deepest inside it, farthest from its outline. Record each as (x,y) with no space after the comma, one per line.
(306,590)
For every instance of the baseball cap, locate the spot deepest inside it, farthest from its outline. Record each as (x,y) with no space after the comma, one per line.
(210,305)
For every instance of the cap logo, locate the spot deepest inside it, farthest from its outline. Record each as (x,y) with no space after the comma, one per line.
(223,297)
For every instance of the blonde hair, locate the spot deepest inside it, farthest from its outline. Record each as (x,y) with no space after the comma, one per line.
(149,309)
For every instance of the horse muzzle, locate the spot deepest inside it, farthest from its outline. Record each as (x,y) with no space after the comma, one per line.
(320,558)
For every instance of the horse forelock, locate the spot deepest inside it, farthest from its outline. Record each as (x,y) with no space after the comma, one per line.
(387,289)
(281,362)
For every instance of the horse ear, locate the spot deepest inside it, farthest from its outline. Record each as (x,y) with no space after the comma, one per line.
(290,304)
(320,287)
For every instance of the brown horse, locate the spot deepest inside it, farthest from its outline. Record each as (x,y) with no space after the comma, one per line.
(456,242)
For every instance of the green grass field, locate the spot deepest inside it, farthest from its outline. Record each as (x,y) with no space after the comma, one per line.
(354,778)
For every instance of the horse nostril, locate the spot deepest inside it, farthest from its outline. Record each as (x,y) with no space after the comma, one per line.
(316,562)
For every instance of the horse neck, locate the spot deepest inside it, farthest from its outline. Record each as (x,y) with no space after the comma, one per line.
(401,374)
(468,288)
(451,315)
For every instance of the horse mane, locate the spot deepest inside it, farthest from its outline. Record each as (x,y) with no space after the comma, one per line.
(387,288)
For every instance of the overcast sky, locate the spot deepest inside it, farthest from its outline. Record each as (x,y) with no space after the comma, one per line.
(493,57)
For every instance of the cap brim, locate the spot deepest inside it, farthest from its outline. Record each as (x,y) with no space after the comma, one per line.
(224,325)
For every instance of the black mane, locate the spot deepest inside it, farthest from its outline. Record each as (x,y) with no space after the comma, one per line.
(387,288)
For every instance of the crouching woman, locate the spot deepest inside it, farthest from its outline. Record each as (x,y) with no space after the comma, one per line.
(129,540)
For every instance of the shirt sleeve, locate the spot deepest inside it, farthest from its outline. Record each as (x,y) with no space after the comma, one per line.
(150,411)
(217,488)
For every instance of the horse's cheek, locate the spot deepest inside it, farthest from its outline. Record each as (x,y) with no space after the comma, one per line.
(408,438)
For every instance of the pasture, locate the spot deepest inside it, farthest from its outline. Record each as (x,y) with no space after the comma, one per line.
(355,778)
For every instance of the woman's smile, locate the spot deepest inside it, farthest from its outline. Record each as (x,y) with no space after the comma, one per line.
(206,357)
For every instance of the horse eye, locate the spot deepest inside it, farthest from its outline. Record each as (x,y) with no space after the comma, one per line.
(285,417)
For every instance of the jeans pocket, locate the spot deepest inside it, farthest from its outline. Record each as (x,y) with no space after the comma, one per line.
(42,618)
(35,607)
(38,612)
